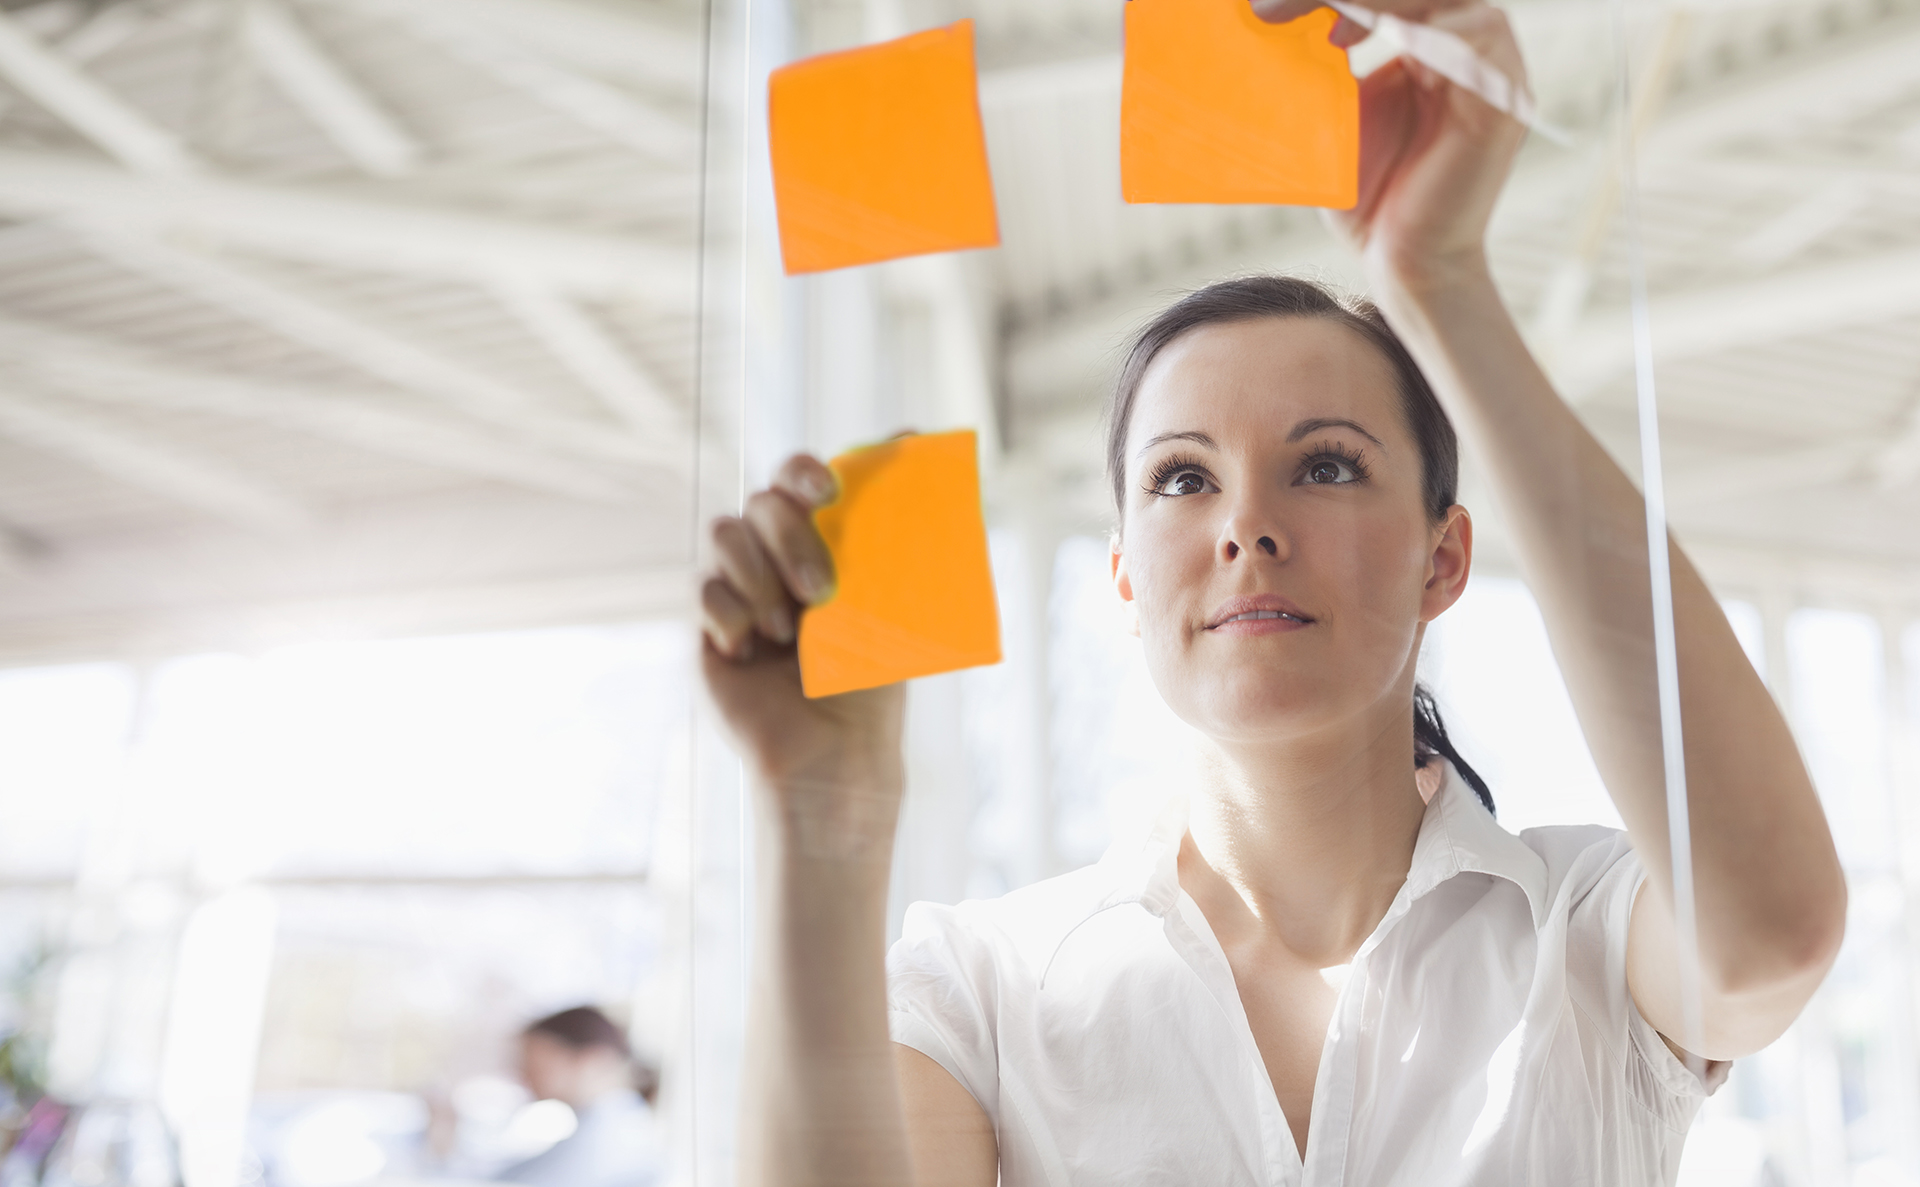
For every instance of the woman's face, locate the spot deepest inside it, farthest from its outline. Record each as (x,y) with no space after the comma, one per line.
(1276,549)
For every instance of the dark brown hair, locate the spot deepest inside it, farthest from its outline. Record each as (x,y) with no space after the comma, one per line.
(580,1028)
(1251,297)
(585,1027)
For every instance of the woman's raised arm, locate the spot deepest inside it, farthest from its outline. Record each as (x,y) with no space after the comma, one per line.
(822,1100)
(1770,893)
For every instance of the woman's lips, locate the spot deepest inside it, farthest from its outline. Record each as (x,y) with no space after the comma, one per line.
(1258,615)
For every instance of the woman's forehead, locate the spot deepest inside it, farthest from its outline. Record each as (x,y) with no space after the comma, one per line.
(1267,373)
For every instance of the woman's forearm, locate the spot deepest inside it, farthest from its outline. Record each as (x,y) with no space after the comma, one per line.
(1769,892)
(822,1100)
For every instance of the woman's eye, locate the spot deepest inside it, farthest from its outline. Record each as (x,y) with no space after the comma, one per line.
(1327,471)
(1186,482)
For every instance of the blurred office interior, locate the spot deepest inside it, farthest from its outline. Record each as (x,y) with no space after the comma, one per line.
(368,366)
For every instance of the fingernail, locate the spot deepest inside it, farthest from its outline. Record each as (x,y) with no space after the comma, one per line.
(779,625)
(814,586)
(820,488)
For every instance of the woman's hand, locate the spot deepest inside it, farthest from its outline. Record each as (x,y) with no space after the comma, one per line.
(1433,156)
(833,765)
(820,1099)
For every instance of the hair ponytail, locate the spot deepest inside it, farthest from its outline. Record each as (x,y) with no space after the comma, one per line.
(1430,740)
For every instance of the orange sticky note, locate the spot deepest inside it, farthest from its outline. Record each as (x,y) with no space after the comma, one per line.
(913,590)
(878,152)
(1216,105)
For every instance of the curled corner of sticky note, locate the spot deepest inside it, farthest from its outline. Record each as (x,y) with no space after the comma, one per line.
(914,589)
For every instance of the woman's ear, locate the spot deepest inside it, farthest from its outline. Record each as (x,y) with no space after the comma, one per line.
(1123,585)
(1448,564)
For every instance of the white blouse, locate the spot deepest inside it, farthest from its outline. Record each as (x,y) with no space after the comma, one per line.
(1485,1034)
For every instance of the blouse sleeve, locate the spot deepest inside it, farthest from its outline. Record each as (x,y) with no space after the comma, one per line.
(941,995)
(1601,884)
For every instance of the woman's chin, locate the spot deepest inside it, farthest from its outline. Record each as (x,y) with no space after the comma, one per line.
(1267,712)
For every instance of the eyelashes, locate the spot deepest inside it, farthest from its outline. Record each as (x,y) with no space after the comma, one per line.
(1170,468)
(1335,452)
(1326,463)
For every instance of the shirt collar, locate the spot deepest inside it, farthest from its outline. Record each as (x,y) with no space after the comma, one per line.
(1457,836)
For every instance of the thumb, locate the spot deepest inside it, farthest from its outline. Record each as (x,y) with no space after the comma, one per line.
(1279,12)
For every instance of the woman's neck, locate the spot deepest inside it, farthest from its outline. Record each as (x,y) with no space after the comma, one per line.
(1307,842)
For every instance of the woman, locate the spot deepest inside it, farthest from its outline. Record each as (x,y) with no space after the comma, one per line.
(1330,965)
(581,1058)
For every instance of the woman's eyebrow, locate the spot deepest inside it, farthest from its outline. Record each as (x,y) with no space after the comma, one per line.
(1197,438)
(1317,423)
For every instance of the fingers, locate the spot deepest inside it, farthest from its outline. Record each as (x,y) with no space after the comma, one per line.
(752,577)
(726,619)
(1388,124)
(807,479)
(1488,31)
(769,561)
(1347,33)
(784,528)
(1279,12)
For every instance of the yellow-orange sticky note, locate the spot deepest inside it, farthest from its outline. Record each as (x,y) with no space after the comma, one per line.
(1216,105)
(878,152)
(913,590)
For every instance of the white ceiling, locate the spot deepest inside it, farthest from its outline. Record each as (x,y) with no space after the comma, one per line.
(340,310)
(380,313)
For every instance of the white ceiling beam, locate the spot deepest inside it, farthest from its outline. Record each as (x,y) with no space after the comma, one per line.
(604,38)
(106,372)
(1791,170)
(103,31)
(1907,140)
(58,84)
(326,94)
(1896,462)
(192,481)
(342,229)
(1693,135)
(372,349)
(1838,81)
(1741,475)
(593,358)
(1571,282)
(1742,313)
(620,116)
(1803,224)
(15,551)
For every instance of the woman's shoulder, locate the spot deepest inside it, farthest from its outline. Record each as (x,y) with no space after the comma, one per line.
(1592,877)
(1582,859)
(1022,916)
(1019,930)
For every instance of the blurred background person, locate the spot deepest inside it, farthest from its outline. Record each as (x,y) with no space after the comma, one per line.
(581,1058)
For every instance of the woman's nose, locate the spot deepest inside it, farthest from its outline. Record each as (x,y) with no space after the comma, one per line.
(1264,544)
(1243,533)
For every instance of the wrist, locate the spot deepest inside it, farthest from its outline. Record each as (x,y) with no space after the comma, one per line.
(841,822)
(1431,279)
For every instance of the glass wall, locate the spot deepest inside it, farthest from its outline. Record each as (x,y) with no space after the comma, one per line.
(370,372)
